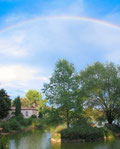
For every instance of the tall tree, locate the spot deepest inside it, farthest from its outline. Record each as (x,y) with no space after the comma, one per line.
(5,104)
(60,91)
(18,106)
(101,85)
(34,97)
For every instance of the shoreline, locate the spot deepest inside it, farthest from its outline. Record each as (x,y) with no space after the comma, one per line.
(16,131)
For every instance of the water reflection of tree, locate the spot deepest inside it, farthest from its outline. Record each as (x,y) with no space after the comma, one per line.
(34,139)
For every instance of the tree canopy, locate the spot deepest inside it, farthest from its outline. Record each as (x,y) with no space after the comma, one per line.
(5,104)
(60,91)
(101,86)
(34,97)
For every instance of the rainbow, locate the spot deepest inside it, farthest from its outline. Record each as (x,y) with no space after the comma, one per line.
(79,18)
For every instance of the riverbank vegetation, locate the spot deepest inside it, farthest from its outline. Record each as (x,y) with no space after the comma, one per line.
(18,123)
(88,102)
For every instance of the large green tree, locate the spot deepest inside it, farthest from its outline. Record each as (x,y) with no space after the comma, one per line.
(34,97)
(60,91)
(5,104)
(101,86)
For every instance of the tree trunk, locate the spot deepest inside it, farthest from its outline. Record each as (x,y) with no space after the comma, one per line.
(109,117)
(67,114)
(110,120)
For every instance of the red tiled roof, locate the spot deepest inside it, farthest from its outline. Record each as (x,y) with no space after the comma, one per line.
(24,108)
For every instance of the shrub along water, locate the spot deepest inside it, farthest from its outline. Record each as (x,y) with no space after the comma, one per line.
(17,123)
(83,131)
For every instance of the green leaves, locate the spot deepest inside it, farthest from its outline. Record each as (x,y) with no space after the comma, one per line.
(63,87)
(5,104)
(60,89)
(34,97)
(17,106)
(101,82)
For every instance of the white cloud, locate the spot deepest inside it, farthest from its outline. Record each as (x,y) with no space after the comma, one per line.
(13,44)
(16,72)
(18,78)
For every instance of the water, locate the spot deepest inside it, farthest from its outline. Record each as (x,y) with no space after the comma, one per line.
(37,139)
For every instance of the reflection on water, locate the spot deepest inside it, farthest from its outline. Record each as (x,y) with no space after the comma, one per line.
(36,139)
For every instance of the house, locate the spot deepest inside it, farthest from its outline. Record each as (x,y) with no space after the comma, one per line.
(26,111)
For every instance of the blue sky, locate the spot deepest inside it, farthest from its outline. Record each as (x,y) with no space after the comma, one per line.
(30,49)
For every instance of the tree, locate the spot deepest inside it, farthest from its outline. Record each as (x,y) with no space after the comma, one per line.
(5,104)
(18,106)
(34,97)
(25,102)
(60,92)
(101,86)
(42,108)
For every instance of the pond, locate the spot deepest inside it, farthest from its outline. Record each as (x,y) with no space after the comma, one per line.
(37,139)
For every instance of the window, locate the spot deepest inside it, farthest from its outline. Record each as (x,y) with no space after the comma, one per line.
(26,113)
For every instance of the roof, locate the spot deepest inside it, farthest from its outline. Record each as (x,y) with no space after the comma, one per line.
(25,108)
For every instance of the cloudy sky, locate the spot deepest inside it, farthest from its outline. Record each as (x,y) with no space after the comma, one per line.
(35,34)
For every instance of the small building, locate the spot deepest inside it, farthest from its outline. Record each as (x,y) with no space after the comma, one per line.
(26,111)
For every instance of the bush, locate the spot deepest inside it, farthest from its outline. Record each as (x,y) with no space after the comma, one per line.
(40,115)
(33,116)
(14,124)
(5,126)
(18,123)
(19,118)
(82,130)
(87,134)
(27,122)
(90,134)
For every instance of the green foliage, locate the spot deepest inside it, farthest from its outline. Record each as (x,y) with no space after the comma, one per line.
(5,126)
(27,122)
(61,91)
(4,142)
(18,106)
(81,129)
(53,117)
(25,102)
(83,133)
(5,104)
(94,115)
(17,123)
(14,124)
(40,114)
(34,97)
(33,116)
(10,125)
(100,84)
